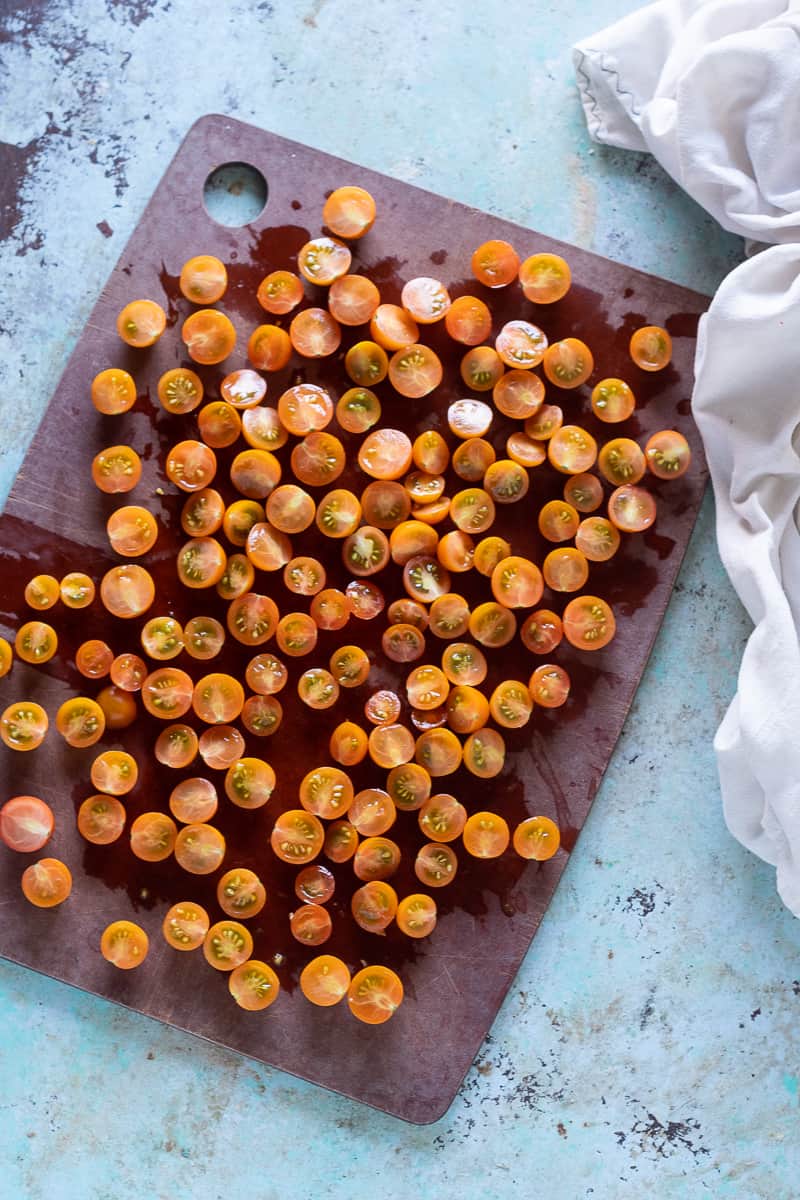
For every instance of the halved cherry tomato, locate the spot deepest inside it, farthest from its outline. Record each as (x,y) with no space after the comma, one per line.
(376,858)
(254,985)
(314,884)
(486,835)
(425,579)
(350,666)
(349,212)
(492,624)
(314,333)
(128,672)
(266,674)
(318,688)
(436,864)
(472,510)
(545,423)
(542,631)
(101,819)
(464,664)
(521,344)
(612,400)
(268,548)
(525,450)
(199,849)
(651,348)
(203,637)
(114,772)
(326,792)
(385,454)
(481,368)
(449,616)
(319,459)
(116,469)
(484,753)
(403,643)
(141,323)
(263,429)
(416,915)
(180,390)
(296,633)
(506,481)
(119,707)
(289,509)
(203,279)
(412,539)
(549,686)
(209,336)
(545,278)
(668,455)
(382,707)
(176,746)
(185,925)
(572,450)
(472,457)
(393,328)
(311,924)
(558,521)
(430,452)
(227,945)
(495,263)
(167,693)
(330,609)
(366,363)
(565,569)
(77,590)
(423,487)
(124,944)
(589,623)
(262,715)
(249,783)
(510,704)
(193,800)
(113,392)
(467,709)
(338,513)
(80,721)
(23,725)
(409,786)
(353,299)
(374,905)
(426,299)
(323,259)
(365,599)
(442,818)
(348,744)
(518,394)
(325,980)
(153,836)
(217,699)
(239,519)
(341,841)
(408,612)
(252,618)
(415,371)
(6,657)
(568,363)
(517,583)
(456,551)
(468,320)
(358,409)
(254,473)
(36,642)
(202,513)
(372,812)
(191,465)
(304,576)
(201,563)
(243,388)
(269,348)
(631,509)
(305,407)
(221,746)
(427,687)
(584,492)
(537,838)
(133,530)
(297,836)
(385,504)
(42,592)
(390,745)
(439,752)
(47,882)
(374,995)
(26,823)
(621,461)
(280,292)
(366,551)
(488,553)
(597,539)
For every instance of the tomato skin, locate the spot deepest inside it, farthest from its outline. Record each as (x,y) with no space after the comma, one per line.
(124,944)
(349,212)
(47,883)
(26,823)
(119,707)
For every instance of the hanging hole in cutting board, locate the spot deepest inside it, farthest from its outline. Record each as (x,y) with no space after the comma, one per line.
(235,194)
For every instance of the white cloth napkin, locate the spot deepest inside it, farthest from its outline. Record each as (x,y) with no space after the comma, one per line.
(712,89)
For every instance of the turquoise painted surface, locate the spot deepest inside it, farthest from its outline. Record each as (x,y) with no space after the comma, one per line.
(647,1047)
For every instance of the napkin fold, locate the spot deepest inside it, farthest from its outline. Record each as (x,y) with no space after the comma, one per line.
(712,89)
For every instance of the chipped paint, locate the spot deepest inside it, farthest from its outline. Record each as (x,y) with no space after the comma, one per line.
(648,1047)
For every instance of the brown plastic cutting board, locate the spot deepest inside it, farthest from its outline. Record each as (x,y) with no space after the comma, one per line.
(54,521)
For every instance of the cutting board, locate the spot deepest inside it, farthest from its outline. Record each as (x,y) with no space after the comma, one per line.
(54,521)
